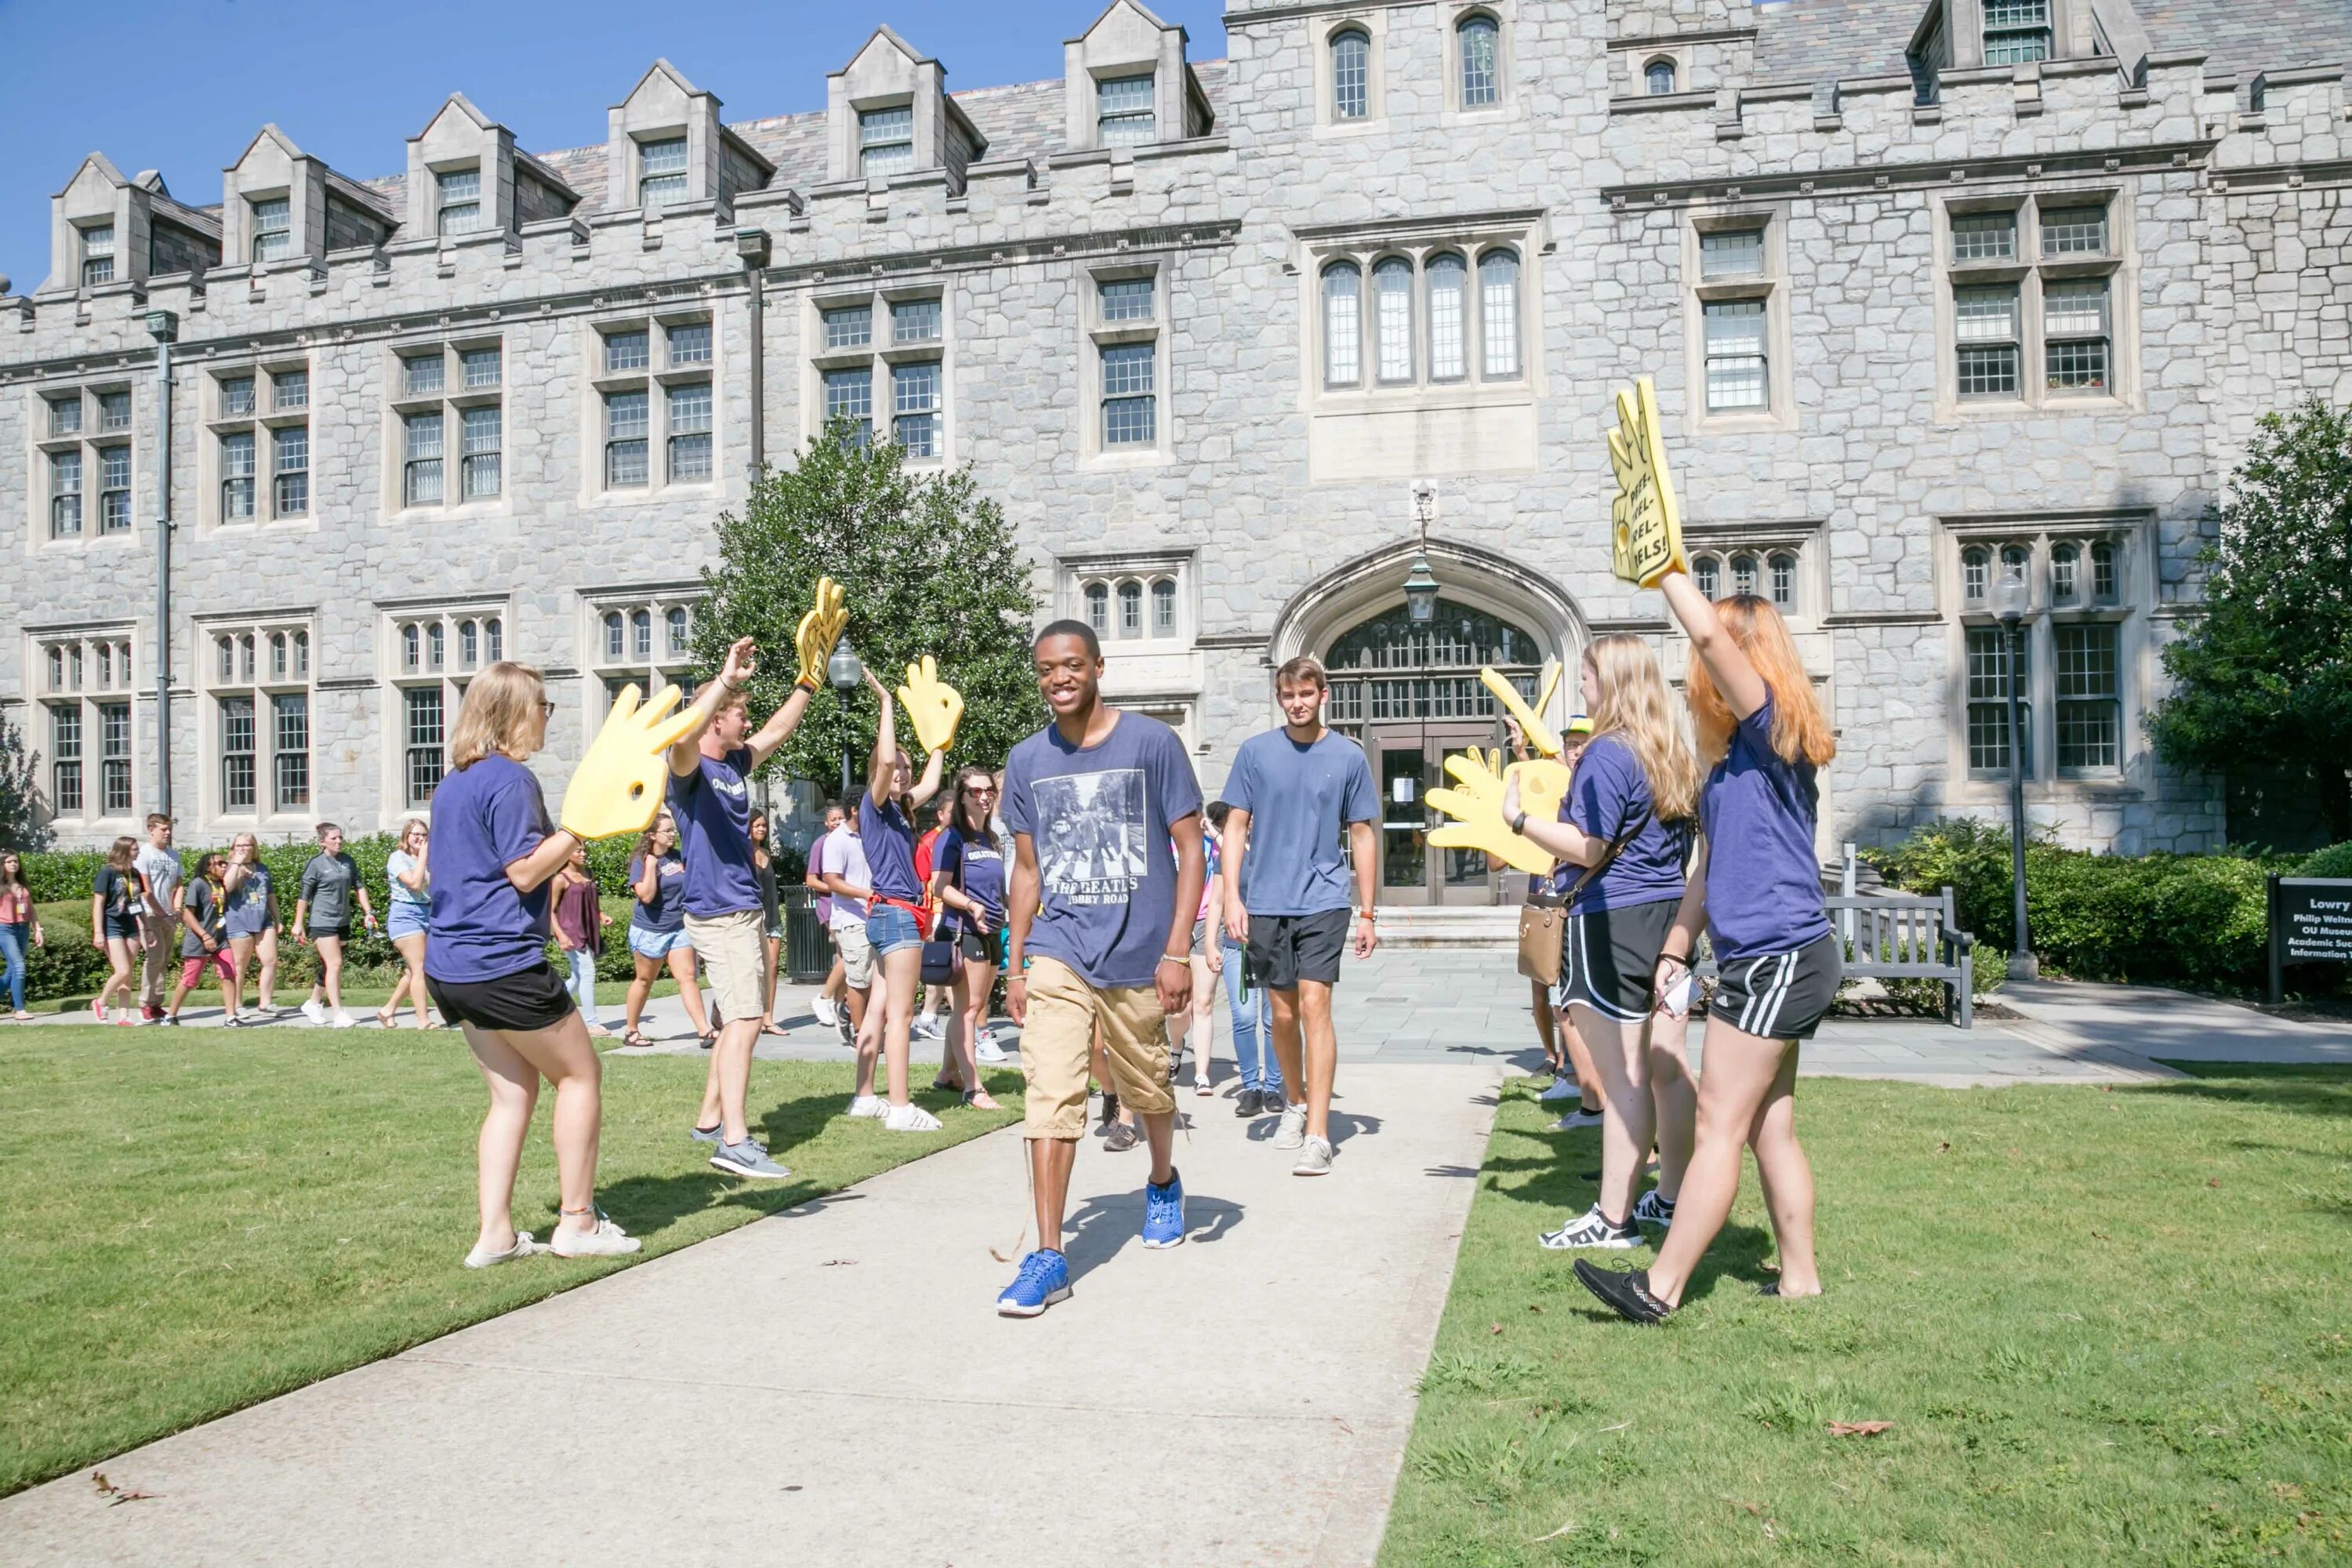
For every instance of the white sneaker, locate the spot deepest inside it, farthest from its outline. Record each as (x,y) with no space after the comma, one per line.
(312,1011)
(823,1008)
(988,1050)
(1314,1157)
(606,1240)
(927,1026)
(523,1248)
(1563,1087)
(343,1020)
(1292,1133)
(909,1118)
(1575,1118)
(872,1105)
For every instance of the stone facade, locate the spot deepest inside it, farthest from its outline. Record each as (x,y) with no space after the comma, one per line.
(1804,168)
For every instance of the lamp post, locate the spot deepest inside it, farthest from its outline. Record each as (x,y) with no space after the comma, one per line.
(163,326)
(1421,582)
(2009,601)
(843,671)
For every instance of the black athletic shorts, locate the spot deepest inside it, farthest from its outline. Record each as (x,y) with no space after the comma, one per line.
(531,998)
(1286,949)
(1782,995)
(976,947)
(341,933)
(1609,958)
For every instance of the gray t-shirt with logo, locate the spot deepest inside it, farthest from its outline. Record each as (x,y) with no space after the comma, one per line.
(327,884)
(162,869)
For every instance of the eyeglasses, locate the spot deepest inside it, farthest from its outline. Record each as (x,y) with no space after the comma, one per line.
(546,709)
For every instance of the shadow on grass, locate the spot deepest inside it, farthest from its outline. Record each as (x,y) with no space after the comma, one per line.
(2306,1089)
(648,1206)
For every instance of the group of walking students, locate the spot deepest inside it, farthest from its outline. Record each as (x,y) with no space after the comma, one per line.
(1106,912)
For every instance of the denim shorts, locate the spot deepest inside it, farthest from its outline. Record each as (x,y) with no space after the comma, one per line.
(658,943)
(405,919)
(891,929)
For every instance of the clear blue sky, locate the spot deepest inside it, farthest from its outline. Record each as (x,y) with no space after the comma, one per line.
(182,86)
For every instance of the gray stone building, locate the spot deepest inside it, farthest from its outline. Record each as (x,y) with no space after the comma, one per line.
(1933,290)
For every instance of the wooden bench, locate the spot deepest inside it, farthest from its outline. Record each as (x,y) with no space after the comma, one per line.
(1908,936)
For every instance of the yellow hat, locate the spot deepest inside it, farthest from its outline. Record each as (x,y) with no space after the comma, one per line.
(1579,725)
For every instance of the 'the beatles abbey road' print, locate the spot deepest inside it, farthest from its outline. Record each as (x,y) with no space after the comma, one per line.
(1090,849)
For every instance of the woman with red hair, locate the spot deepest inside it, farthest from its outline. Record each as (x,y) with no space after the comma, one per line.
(1758,889)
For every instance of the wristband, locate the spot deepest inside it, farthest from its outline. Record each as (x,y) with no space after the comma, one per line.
(1519,824)
(1183,958)
(805,684)
(1672,958)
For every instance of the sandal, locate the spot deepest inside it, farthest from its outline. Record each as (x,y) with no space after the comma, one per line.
(948,1086)
(383,1019)
(979,1099)
(634,1038)
(773,1027)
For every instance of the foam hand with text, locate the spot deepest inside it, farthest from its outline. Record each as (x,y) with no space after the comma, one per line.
(1477,807)
(932,706)
(618,785)
(819,630)
(1646,526)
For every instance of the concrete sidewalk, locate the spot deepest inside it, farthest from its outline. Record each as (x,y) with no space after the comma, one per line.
(833,1385)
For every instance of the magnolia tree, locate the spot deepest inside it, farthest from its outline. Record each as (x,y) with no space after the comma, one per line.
(928,566)
(2263,675)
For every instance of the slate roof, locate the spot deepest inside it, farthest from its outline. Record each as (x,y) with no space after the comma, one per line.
(1835,40)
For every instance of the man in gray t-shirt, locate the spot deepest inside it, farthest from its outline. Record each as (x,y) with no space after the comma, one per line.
(157,862)
(1298,795)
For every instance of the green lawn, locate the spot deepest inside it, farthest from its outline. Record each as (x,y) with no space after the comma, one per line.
(194,1222)
(2106,1326)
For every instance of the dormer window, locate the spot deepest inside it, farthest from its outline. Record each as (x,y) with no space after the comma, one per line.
(96,255)
(2016,32)
(661,173)
(273,229)
(886,141)
(458,198)
(1123,111)
(1658,78)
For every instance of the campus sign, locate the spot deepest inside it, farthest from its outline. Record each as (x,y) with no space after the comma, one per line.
(2311,922)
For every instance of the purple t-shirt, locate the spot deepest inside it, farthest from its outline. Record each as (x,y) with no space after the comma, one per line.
(1097,817)
(1605,795)
(713,808)
(889,840)
(1763,885)
(486,817)
(976,868)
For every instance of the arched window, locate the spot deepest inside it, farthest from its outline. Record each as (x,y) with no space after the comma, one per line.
(1784,568)
(615,642)
(1480,86)
(435,644)
(106,666)
(302,655)
(470,644)
(1131,609)
(1409,670)
(410,640)
(1707,572)
(1743,574)
(495,636)
(1163,608)
(1658,77)
(2016,562)
(1392,316)
(1975,573)
(244,660)
(1098,608)
(641,633)
(1449,282)
(2102,572)
(278,656)
(1498,318)
(1351,74)
(226,646)
(1342,325)
(676,622)
(2065,581)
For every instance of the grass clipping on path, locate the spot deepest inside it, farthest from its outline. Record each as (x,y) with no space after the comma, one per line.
(2099,1325)
(191,1223)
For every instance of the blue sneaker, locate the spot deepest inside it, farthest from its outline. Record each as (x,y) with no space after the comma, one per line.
(1044,1279)
(1163,1212)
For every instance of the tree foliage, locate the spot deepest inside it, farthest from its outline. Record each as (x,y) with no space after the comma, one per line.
(21,826)
(2264,674)
(928,566)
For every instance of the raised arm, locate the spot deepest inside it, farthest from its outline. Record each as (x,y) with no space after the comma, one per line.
(885,768)
(929,784)
(685,752)
(1743,689)
(780,725)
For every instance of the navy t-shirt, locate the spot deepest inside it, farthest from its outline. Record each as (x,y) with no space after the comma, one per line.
(486,817)
(1097,817)
(976,868)
(889,841)
(666,911)
(713,808)
(1607,792)
(1301,799)
(1763,885)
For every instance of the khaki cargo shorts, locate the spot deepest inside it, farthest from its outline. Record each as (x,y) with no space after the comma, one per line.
(1057,1046)
(733,952)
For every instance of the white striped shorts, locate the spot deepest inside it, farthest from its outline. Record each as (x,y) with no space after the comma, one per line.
(1781,996)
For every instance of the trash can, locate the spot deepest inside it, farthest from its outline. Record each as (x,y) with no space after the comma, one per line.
(808,951)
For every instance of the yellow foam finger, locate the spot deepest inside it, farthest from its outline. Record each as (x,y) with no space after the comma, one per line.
(1539,733)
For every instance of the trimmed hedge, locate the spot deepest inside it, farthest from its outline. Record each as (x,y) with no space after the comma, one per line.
(2195,920)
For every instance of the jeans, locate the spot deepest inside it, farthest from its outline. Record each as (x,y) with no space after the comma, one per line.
(1252,1016)
(582,981)
(13,937)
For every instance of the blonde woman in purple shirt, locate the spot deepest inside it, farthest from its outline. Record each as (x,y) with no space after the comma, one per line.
(1758,887)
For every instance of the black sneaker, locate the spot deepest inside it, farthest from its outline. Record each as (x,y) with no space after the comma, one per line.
(1120,1138)
(1627,1293)
(1249,1102)
(1273,1101)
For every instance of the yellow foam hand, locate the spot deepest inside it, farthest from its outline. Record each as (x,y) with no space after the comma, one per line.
(1646,526)
(933,706)
(1543,784)
(819,630)
(1476,809)
(1553,670)
(1540,740)
(618,785)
